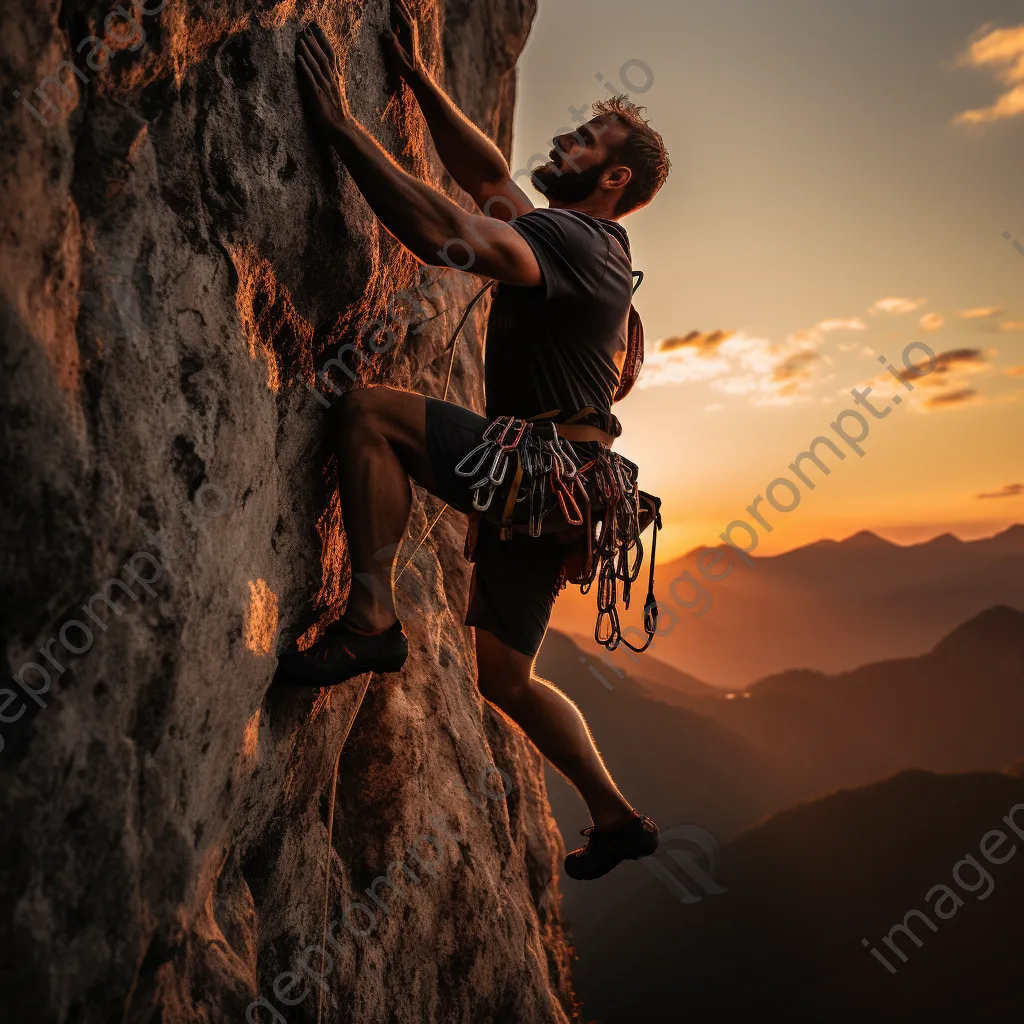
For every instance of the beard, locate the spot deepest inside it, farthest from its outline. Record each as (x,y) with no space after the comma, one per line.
(567,186)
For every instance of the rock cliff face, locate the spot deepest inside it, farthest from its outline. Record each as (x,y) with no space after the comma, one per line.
(178,260)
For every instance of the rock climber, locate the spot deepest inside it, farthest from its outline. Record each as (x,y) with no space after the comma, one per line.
(556,339)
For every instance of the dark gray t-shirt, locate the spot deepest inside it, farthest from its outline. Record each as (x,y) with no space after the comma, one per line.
(560,345)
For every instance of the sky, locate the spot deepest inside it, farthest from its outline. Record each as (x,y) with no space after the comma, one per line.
(844,176)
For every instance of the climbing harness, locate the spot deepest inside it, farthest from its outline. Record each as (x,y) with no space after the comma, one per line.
(527,478)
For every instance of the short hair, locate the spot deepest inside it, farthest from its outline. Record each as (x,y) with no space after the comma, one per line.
(643,152)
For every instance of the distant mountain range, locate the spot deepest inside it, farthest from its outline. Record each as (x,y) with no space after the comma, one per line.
(692,753)
(829,606)
(958,707)
(685,752)
(803,889)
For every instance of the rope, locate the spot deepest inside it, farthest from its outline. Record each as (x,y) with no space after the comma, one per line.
(453,345)
(330,844)
(419,543)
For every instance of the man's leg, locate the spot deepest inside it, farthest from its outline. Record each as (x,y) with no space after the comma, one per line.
(382,438)
(380,442)
(551,721)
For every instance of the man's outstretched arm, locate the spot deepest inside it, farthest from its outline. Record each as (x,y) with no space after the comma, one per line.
(436,230)
(469,156)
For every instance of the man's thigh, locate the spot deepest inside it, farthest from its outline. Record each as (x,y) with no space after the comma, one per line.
(452,432)
(400,416)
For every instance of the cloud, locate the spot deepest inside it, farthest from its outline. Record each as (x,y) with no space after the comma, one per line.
(1002,50)
(1012,325)
(950,378)
(980,313)
(957,358)
(932,322)
(895,305)
(1014,371)
(1006,491)
(682,360)
(947,399)
(735,363)
(795,366)
(850,323)
(703,343)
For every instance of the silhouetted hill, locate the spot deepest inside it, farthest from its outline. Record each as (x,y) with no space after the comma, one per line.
(673,761)
(682,761)
(830,606)
(957,708)
(724,764)
(803,889)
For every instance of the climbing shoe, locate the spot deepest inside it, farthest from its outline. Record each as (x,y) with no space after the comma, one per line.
(607,847)
(343,652)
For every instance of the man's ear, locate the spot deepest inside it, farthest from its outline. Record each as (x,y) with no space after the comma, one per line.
(618,177)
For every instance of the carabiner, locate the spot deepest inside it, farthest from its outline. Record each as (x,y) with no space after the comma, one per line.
(484,447)
(500,458)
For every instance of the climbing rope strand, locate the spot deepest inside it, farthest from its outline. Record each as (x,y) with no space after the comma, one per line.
(453,345)
(330,841)
(419,543)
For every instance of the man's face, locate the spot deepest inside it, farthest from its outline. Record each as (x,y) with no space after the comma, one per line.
(579,159)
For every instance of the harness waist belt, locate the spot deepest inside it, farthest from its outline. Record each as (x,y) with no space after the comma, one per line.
(583,432)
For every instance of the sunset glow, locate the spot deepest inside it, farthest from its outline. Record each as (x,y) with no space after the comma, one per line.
(807,230)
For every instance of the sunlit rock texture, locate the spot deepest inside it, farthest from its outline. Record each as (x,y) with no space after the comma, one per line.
(178,262)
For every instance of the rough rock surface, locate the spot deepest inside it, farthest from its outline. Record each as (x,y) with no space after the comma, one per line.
(178,259)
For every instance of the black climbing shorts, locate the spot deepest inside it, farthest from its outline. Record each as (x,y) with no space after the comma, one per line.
(514,581)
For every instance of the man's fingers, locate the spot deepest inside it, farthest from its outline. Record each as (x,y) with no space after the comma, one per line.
(315,52)
(306,73)
(322,37)
(324,47)
(307,83)
(397,50)
(313,68)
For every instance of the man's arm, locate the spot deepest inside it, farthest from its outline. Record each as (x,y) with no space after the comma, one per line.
(469,156)
(436,230)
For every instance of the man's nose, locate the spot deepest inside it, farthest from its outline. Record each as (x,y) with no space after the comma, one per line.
(566,142)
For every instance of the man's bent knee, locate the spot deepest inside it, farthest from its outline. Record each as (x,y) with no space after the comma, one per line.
(505,692)
(505,675)
(361,409)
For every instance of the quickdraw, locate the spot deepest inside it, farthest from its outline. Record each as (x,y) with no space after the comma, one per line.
(541,462)
(593,502)
(617,551)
